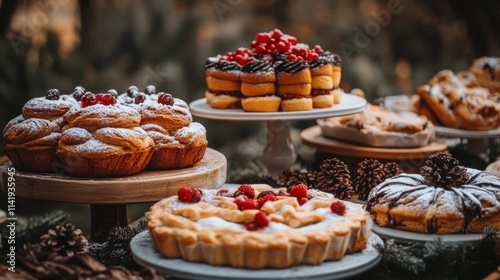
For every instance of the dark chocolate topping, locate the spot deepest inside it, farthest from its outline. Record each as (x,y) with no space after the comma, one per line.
(224,65)
(290,66)
(257,66)
(211,62)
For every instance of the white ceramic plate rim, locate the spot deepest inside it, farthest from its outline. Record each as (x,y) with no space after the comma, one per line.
(408,236)
(349,104)
(462,133)
(352,264)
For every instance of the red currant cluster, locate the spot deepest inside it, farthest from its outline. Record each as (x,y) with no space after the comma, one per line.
(89,99)
(272,43)
(301,52)
(241,56)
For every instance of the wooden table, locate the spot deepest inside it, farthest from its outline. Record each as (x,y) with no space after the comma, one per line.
(108,197)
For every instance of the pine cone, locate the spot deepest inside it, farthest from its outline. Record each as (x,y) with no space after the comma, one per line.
(65,240)
(308,178)
(391,169)
(443,170)
(370,173)
(288,178)
(334,177)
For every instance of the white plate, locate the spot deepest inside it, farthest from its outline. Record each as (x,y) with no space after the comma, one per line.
(349,104)
(462,133)
(352,264)
(408,236)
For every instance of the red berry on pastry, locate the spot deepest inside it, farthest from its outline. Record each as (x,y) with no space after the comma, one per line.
(131,91)
(262,37)
(150,90)
(266,198)
(264,193)
(303,200)
(88,99)
(53,94)
(247,190)
(312,56)
(338,207)
(248,203)
(276,34)
(139,98)
(260,219)
(317,49)
(298,191)
(165,99)
(185,194)
(251,226)
(107,99)
(197,194)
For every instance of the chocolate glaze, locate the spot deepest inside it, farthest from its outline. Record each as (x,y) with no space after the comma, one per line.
(224,65)
(413,184)
(257,66)
(290,66)
(325,58)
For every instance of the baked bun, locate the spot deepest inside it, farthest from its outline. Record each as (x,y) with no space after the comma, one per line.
(104,141)
(178,141)
(31,144)
(444,198)
(296,103)
(272,230)
(30,140)
(178,148)
(487,72)
(458,101)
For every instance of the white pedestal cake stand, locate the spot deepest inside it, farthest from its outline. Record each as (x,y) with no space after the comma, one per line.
(476,140)
(279,152)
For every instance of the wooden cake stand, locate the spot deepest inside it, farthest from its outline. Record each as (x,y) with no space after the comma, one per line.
(408,158)
(279,152)
(108,196)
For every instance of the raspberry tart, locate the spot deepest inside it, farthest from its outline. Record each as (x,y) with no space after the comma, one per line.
(256,226)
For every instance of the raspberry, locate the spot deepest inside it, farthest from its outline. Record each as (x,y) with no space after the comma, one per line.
(185,194)
(248,203)
(317,49)
(165,99)
(88,99)
(262,37)
(298,191)
(260,219)
(312,56)
(239,200)
(338,207)
(303,200)
(251,226)
(107,99)
(247,190)
(150,90)
(266,198)
(197,194)
(131,91)
(264,193)
(53,94)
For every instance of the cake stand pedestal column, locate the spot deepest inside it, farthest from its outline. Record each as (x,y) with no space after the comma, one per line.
(279,153)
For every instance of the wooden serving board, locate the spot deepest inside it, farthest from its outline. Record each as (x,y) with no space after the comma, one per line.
(313,137)
(147,186)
